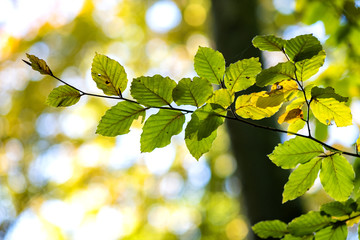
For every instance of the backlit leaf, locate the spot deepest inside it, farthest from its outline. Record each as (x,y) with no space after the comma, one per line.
(271,228)
(201,130)
(296,126)
(328,92)
(328,109)
(280,72)
(301,179)
(308,223)
(241,75)
(337,177)
(63,96)
(209,64)
(118,119)
(337,209)
(155,91)
(291,116)
(109,75)
(38,65)
(269,43)
(302,47)
(294,151)
(159,128)
(194,92)
(279,93)
(309,67)
(246,107)
(332,233)
(222,97)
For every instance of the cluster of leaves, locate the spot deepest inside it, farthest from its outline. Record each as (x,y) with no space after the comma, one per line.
(212,95)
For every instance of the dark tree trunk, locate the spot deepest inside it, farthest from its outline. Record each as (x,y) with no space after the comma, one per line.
(234,25)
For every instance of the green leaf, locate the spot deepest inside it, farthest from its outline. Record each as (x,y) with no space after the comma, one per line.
(38,65)
(63,96)
(269,43)
(118,119)
(291,237)
(294,151)
(328,109)
(280,72)
(109,75)
(309,67)
(201,130)
(337,177)
(271,228)
(209,64)
(308,223)
(222,97)
(332,233)
(336,209)
(301,179)
(241,75)
(302,47)
(159,128)
(328,92)
(194,92)
(153,91)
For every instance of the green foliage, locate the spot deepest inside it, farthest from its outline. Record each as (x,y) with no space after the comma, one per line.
(301,179)
(337,177)
(295,151)
(118,119)
(269,43)
(108,75)
(209,64)
(153,91)
(194,92)
(241,75)
(286,81)
(274,228)
(63,96)
(159,128)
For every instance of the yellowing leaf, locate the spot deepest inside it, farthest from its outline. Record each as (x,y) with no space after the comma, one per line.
(291,116)
(63,96)
(246,107)
(109,75)
(280,93)
(222,97)
(38,65)
(295,126)
(328,109)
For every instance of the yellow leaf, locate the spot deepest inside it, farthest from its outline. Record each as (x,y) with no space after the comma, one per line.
(328,109)
(246,107)
(279,93)
(295,126)
(291,116)
(38,65)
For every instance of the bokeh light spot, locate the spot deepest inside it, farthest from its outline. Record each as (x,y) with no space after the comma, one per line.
(195,14)
(163,16)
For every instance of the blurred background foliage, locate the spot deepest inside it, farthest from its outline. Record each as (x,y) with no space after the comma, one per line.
(58,180)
